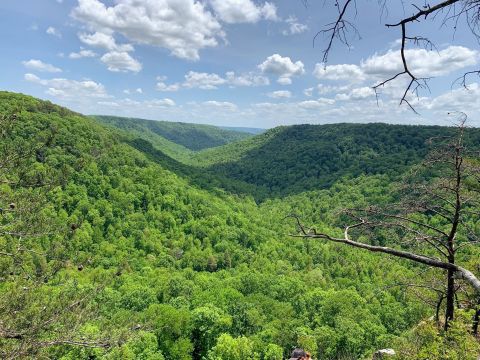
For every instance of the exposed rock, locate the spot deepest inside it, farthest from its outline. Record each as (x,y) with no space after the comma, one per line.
(384,354)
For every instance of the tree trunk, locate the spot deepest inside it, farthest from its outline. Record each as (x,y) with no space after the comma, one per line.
(476,319)
(450,299)
(437,309)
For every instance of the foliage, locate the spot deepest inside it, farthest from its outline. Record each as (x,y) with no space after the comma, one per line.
(172,269)
(191,136)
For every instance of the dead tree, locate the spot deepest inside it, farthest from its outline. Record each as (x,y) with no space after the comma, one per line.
(449,13)
(430,222)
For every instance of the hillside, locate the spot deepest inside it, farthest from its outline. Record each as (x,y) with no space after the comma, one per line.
(110,241)
(293,159)
(190,136)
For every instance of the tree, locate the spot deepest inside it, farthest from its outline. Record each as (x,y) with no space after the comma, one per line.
(450,13)
(34,315)
(432,219)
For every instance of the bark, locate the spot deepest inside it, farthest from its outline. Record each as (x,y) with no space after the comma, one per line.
(450,304)
(476,319)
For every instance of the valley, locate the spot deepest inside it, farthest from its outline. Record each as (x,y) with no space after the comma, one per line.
(174,241)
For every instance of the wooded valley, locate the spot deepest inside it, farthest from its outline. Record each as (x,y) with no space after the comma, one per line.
(133,239)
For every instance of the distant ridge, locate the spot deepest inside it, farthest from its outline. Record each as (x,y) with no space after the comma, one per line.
(193,137)
(248,130)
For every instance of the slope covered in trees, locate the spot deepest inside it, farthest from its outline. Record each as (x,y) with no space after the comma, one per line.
(289,160)
(190,136)
(148,264)
(293,159)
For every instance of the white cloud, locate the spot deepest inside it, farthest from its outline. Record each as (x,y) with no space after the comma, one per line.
(328,89)
(211,81)
(70,89)
(161,86)
(316,104)
(82,54)
(461,99)
(39,65)
(357,94)
(280,94)
(284,80)
(182,26)
(120,62)
(294,27)
(54,32)
(224,105)
(104,41)
(346,72)
(160,103)
(248,79)
(308,92)
(204,81)
(283,67)
(422,62)
(243,11)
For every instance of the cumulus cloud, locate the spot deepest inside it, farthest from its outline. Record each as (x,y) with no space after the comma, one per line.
(182,26)
(328,89)
(224,105)
(160,103)
(294,27)
(345,72)
(308,92)
(204,81)
(422,63)
(82,54)
(280,94)
(137,105)
(39,65)
(465,100)
(211,81)
(161,86)
(70,89)
(316,104)
(120,62)
(357,94)
(249,79)
(104,41)
(283,67)
(243,11)
(54,32)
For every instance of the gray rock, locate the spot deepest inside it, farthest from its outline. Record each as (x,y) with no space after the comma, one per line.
(384,354)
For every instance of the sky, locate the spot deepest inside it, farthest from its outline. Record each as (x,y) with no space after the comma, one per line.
(232,62)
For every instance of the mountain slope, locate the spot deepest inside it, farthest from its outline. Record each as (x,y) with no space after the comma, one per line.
(174,270)
(293,159)
(190,136)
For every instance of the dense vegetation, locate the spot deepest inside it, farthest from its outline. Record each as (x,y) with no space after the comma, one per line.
(149,262)
(289,160)
(311,156)
(191,136)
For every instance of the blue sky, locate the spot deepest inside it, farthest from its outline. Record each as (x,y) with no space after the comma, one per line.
(229,62)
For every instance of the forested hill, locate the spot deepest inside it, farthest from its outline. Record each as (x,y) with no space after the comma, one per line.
(190,136)
(103,246)
(294,159)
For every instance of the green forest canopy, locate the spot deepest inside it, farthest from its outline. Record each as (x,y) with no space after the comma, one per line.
(178,270)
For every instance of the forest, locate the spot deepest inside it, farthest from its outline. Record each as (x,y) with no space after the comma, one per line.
(135,239)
